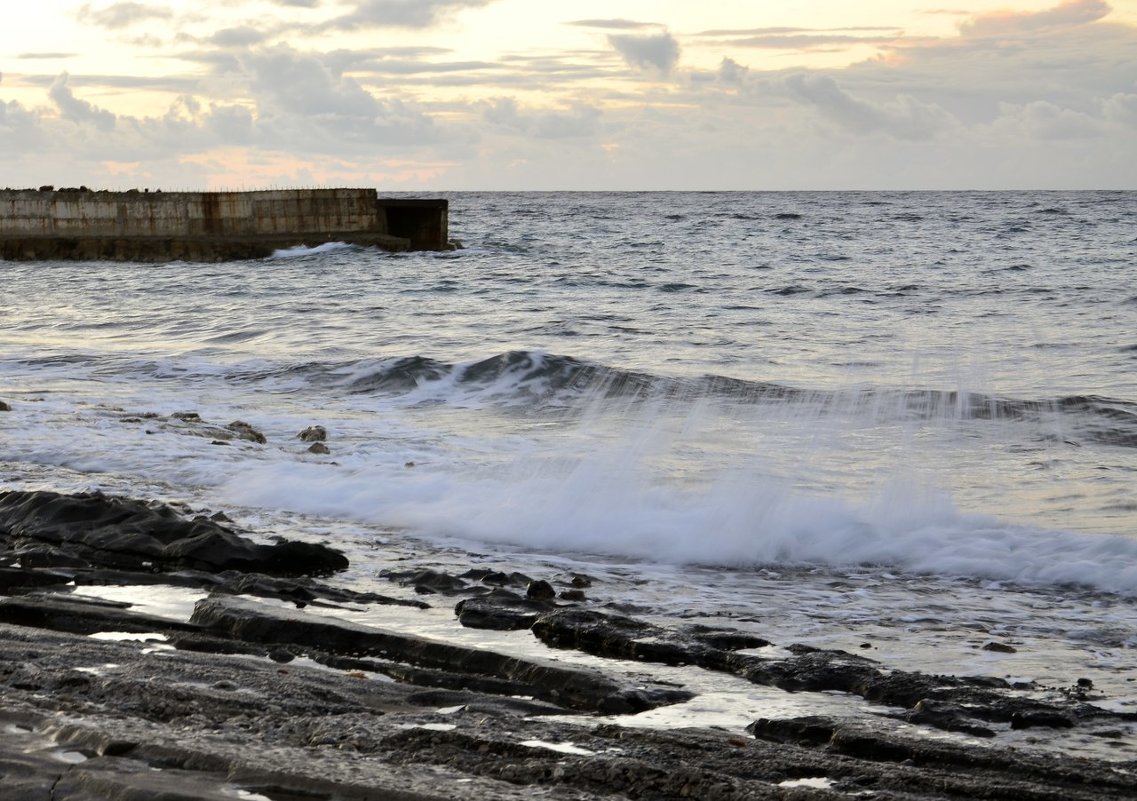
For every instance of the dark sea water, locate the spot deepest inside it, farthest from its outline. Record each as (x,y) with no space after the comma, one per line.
(910,416)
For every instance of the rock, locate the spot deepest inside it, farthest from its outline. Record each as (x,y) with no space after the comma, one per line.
(574,688)
(4,407)
(572,595)
(427,580)
(21,580)
(952,702)
(319,449)
(1049,718)
(1000,648)
(946,716)
(245,431)
(627,638)
(540,591)
(187,417)
(80,615)
(313,434)
(500,610)
(119,533)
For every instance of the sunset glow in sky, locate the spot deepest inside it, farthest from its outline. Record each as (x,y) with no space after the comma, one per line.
(612,94)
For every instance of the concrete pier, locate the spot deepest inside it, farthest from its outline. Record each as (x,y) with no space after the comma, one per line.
(81,224)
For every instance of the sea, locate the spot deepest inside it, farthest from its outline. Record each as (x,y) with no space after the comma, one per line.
(899,423)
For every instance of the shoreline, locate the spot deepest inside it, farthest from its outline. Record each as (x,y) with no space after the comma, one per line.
(256,693)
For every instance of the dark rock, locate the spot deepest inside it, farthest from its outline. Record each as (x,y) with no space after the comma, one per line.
(810,730)
(946,716)
(572,595)
(575,688)
(428,580)
(540,591)
(281,655)
(725,639)
(500,610)
(1049,718)
(108,531)
(581,581)
(319,449)
(982,699)
(627,638)
(80,615)
(1001,648)
(188,417)
(189,725)
(4,407)
(494,578)
(313,434)
(37,556)
(18,580)
(245,431)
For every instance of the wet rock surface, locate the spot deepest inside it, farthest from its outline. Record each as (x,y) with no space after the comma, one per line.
(267,690)
(92,529)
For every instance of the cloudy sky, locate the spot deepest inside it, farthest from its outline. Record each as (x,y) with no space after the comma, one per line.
(590,94)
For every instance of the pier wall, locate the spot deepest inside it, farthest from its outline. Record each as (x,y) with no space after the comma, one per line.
(208,226)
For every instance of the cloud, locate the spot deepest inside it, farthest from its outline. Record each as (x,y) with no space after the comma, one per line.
(1121,108)
(302,102)
(904,117)
(809,41)
(1065,15)
(241,36)
(659,51)
(121,15)
(160,83)
(1045,120)
(738,33)
(399,13)
(77,110)
(613,24)
(731,72)
(1013,99)
(580,121)
(31,56)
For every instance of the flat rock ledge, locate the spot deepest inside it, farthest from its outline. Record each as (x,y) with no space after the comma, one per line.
(266,693)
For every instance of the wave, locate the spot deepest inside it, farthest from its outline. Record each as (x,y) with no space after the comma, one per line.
(538,381)
(606,504)
(304,250)
(527,378)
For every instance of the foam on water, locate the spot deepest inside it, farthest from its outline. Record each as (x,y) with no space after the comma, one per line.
(676,481)
(302,250)
(607,506)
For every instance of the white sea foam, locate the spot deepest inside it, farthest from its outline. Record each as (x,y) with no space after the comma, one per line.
(302,250)
(608,505)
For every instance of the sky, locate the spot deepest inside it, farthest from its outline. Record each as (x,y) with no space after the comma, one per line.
(436,95)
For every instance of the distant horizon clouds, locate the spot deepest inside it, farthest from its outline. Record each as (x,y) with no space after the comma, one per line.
(435,95)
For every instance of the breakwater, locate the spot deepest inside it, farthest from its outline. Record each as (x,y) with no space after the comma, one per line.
(81,224)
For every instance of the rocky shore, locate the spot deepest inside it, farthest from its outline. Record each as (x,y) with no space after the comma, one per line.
(266,691)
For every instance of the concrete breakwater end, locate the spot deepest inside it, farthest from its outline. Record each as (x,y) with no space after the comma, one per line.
(85,225)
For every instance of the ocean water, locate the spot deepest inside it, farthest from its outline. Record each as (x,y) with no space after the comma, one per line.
(906,417)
